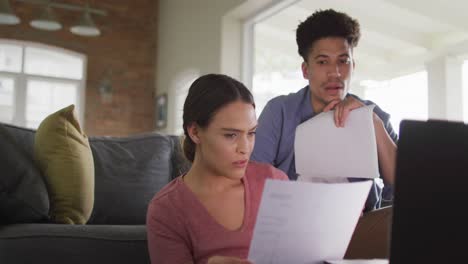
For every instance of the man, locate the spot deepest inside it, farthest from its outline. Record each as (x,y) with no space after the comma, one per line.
(325,42)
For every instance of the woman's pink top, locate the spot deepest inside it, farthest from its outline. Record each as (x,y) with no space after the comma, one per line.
(180,229)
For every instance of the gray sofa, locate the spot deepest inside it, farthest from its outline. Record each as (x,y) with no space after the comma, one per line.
(128,172)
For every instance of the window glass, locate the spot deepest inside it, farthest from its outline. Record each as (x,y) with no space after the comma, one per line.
(46,97)
(6,99)
(405,97)
(25,98)
(276,71)
(10,57)
(52,63)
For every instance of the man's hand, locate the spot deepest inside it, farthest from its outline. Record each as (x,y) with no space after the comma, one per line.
(227,260)
(342,109)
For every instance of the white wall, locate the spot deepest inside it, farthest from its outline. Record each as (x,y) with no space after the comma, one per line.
(445,88)
(197,37)
(189,44)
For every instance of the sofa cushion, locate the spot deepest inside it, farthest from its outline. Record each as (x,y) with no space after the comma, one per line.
(70,244)
(23,194)
(65,159)
(129,171)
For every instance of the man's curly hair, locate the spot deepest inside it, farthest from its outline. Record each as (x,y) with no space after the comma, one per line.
(323,24)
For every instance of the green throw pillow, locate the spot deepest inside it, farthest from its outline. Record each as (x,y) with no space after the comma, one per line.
(64,156)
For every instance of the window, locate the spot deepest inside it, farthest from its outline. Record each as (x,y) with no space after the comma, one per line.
(276,72)
(37,80)
(46,62)
(405,97)
(11,57)
(44,97)
(6,99)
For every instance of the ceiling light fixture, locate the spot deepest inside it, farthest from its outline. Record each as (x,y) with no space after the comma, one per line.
(86,26)
(7,17)
(47,21)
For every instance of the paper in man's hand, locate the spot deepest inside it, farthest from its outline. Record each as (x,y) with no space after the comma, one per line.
(325,151)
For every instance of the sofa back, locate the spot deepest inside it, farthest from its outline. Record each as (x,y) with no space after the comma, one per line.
(23,193)
(129,171)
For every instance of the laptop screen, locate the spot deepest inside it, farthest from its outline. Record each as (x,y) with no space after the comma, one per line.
(431,193)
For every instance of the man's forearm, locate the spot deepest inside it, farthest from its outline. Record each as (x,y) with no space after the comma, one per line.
(386,150)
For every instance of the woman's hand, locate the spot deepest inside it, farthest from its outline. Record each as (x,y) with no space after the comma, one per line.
(227,260)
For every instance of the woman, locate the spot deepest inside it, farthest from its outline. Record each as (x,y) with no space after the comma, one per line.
(208,214)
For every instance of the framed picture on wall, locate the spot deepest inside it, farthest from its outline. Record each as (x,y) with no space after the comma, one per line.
(161,111)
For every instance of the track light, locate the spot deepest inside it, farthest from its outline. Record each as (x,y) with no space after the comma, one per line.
(7,17)
(86,26)
(47,21)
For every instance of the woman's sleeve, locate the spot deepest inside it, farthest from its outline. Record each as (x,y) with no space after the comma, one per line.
(168,241)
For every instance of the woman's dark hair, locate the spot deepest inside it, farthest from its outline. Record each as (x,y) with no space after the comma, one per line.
(323,24)
(206,96)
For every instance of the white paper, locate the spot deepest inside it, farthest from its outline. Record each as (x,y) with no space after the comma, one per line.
(325,151)
(303,222)
(358,261)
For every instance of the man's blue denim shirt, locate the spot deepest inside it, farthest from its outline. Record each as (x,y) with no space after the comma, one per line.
(276,131)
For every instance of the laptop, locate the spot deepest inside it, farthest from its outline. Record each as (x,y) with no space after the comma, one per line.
(430,217)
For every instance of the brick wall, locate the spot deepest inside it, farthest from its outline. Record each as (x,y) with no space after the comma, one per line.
(127,46)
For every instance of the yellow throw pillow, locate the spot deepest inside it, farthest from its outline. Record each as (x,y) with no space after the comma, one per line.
(64,156)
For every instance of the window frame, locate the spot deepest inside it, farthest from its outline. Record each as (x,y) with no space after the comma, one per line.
(21,78)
